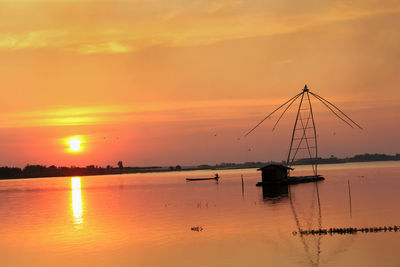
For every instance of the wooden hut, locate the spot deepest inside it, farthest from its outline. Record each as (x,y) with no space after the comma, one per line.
(274,173)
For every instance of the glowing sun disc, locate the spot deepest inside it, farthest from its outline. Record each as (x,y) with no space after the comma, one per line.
(74,144)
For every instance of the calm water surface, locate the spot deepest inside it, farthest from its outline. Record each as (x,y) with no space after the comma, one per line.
(147,219)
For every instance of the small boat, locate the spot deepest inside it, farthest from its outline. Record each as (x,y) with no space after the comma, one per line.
(203,179)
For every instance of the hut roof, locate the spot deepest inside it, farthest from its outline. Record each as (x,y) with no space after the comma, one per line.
(275,166)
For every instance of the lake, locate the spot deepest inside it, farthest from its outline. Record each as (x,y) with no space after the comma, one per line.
(159,219)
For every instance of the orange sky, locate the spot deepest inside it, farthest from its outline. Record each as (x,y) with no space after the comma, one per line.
(176,82)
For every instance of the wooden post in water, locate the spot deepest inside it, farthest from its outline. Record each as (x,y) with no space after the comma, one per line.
(348,184)
(242,186)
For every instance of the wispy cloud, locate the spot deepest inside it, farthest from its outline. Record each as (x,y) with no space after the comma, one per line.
(60,117)
(195,23)
(236,109)
(33,39)
(97,115)
(109,47)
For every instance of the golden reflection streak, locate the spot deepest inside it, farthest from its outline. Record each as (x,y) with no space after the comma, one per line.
(76,195)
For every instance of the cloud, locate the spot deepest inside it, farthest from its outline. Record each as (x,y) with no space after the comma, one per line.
(96,115)
(61,116)
(109,47)
(128,26)
(210,110)
(34,39)
(60,39)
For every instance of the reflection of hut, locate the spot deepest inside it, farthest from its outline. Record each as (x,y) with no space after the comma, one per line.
(274,173)
(275,191)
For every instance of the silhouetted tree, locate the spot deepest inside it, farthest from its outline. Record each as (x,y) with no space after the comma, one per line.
(120,165)
(34,171)
(6,172)
(178,168)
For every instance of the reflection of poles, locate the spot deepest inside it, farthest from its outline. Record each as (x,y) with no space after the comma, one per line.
(242,186)
(319,207)
(348,184)
(296,218)
(319,222)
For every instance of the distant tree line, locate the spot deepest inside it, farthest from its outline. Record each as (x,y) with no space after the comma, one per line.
(331,160)
(357,158)
(176,168)
(32,171)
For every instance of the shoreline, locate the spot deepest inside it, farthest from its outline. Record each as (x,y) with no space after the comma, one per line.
(165,170)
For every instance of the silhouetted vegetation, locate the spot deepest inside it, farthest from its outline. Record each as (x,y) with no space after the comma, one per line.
(120,165)
(331,160)
(7,172)
(32,171)
(177,168)
(357,158)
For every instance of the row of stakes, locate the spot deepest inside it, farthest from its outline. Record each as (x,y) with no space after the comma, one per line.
(350,230)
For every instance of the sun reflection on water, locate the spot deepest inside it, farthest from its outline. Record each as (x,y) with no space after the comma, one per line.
(76,195)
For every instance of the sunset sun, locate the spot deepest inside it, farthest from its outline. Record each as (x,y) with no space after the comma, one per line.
(74,144)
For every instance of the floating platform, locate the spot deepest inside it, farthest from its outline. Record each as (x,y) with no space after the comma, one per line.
(294,180)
